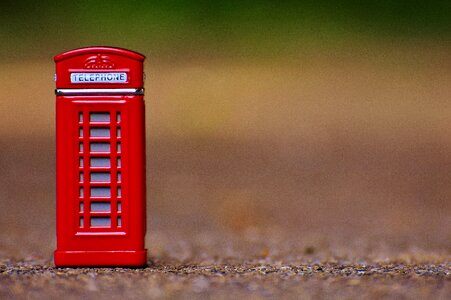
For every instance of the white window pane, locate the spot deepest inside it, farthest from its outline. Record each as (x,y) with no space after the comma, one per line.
(82,222)
(100,162)
(100,147)
(119,206)
(99,117)
(119,221)
(100,191)
(100,132)
(100,177)
(100,222)
(100,206)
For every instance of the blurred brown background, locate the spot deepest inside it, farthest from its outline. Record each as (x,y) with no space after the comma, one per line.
(319,136)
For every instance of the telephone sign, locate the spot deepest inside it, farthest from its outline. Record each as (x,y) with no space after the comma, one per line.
(98,77)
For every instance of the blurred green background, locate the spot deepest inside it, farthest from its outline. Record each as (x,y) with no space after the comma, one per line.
(182,29)
(320,120)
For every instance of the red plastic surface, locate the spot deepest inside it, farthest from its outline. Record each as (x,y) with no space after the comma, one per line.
(99,59)
(110,130)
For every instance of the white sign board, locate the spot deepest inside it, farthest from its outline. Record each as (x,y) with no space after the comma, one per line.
(97,77)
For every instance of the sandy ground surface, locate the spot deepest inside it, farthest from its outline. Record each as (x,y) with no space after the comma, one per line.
(330,179)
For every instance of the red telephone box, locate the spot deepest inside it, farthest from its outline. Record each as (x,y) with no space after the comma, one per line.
(100,153)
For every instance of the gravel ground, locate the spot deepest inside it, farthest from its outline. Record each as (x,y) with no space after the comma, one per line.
(250,280)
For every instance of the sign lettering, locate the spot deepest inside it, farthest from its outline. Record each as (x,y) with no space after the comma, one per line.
(97,77)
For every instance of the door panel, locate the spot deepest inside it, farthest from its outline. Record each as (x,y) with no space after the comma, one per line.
(103,205)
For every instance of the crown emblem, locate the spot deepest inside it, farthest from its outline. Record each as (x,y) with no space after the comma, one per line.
(99,62)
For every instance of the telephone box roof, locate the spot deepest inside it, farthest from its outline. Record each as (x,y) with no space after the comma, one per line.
(97,49)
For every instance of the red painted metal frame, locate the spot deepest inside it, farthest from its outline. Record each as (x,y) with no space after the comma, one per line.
(115,245)
(120,60)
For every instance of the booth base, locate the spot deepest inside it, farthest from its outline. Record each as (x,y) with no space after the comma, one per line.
(101,258)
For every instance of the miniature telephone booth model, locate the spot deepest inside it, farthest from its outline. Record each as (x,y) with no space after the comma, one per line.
(100,153)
